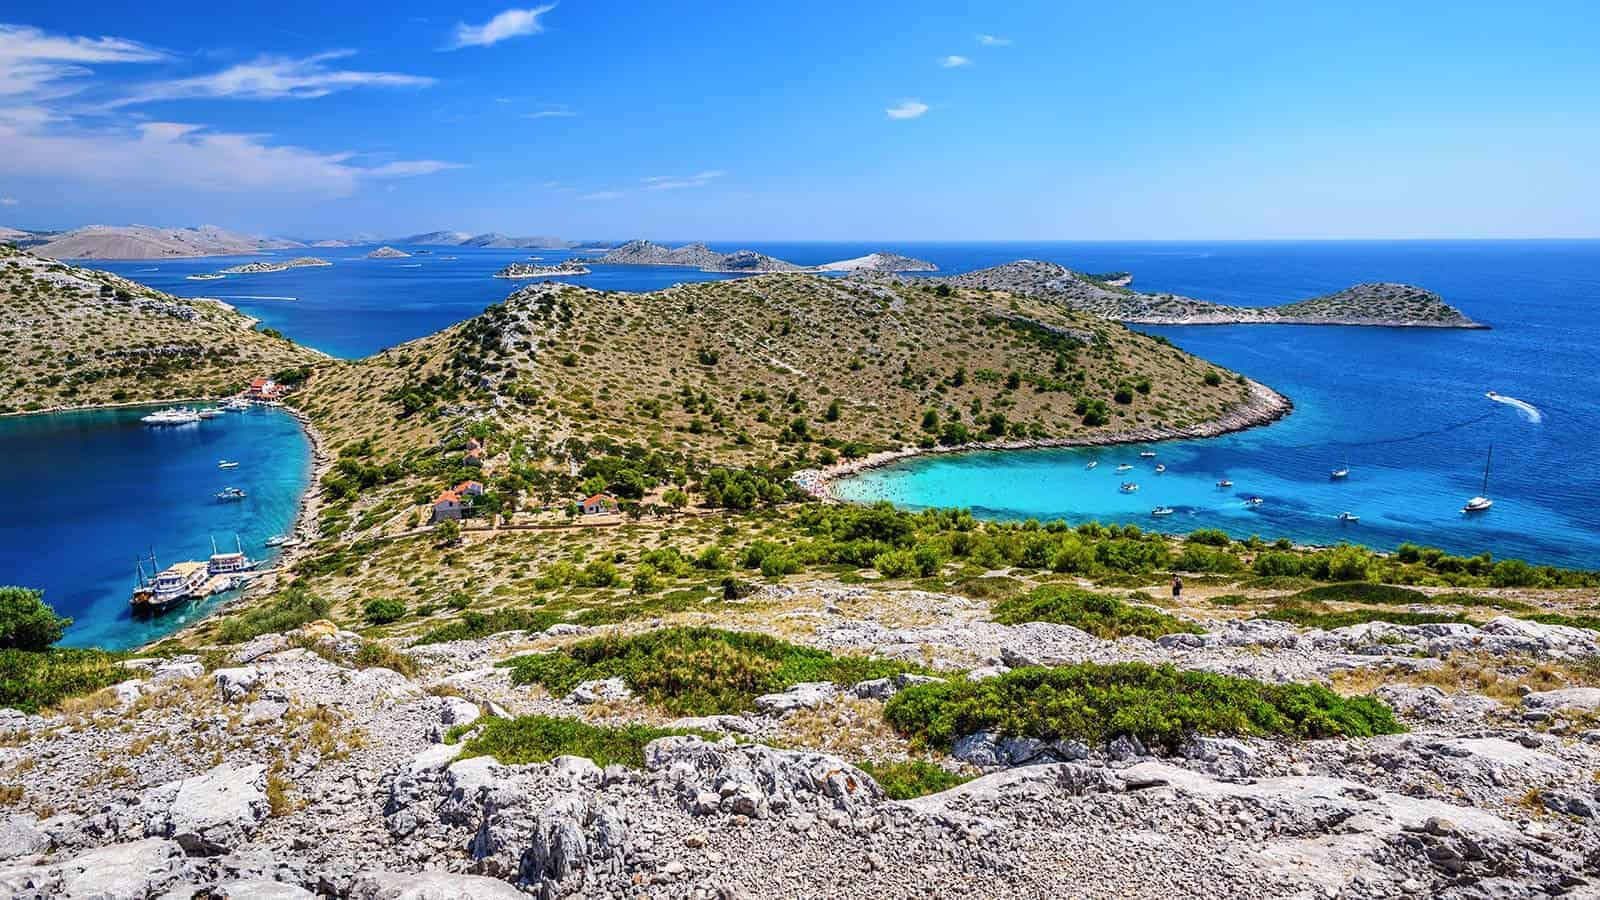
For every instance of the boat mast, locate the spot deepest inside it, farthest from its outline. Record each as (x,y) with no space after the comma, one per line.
(1486,463)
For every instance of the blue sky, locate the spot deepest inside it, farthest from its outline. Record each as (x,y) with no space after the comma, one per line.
(887,120)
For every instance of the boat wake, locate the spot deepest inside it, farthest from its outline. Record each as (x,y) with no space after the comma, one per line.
(257,297)
(1528,410)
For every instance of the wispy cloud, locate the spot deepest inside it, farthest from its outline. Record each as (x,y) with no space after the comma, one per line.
(673,182)
(9,201)
(32,61)
(954,62)
(509,24)
(273,78)
(989,40)
(906,109)
(553,112)
(602,195)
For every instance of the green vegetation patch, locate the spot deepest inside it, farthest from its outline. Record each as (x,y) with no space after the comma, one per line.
(291,608)
(1100,615)
(1319,616)
(1160,705)
(531,739)
(911,778)
(35,680)
(1590,622)
(697,671)
(1361,592)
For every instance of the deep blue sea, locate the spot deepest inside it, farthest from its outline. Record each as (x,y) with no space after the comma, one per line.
(1406,409)
(95,489)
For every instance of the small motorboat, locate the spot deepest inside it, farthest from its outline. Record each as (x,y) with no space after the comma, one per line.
(1129,487)
(1092,463)
(1147,454)
(1224,483)
(1341,472)
(227,464)
(1125,467)
(210,412)
(236,404)
(1349,517)
(277,540)
(1161,467)
(1162,511)
(1254,501)
(229,494)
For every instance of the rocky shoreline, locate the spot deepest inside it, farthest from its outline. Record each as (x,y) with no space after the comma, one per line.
(1264,407)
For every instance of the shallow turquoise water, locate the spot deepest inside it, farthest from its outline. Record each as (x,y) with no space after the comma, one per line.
(94,489)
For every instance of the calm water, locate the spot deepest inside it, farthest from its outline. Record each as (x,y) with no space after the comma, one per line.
(1404,407)
(101,488)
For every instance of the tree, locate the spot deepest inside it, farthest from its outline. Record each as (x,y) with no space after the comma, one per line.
(383,611)
(27,622)
(676,499)
(449,532)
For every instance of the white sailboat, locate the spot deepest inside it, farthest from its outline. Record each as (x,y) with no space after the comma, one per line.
(1482,501)
(1341,472)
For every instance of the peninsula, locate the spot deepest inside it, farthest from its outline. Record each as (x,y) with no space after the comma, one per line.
(1387,305)
(879,262)
(145,242)
(259,268)
(564,550)
(699,256)
(387,253)
(524,270)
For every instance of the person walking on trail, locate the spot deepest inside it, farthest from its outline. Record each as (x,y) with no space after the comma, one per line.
(1177,587)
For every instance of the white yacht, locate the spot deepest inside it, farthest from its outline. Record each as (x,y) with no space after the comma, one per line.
(1162,511)
(1349,517)
(1125,467)
(176,415)
(1482,502)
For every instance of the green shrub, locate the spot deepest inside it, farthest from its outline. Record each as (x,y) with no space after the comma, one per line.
(1160,705)
(35,680)
(1360,592)
(292,607)
(531,739)
(1318,616)
(1099,615)
(1212,537)
(696,671)
(911,778)
(472,625)
(383,610)
(27,622)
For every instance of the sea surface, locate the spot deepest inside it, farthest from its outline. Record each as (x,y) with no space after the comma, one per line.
(1405,408)
(94,490)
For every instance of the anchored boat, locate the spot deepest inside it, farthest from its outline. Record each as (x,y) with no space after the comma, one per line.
(229,494)
(1482,502)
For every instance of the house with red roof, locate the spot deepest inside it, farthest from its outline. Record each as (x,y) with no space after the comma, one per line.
(598,505)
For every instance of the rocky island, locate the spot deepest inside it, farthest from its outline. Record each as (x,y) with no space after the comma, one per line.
(258,268)
(1386,305)
(387,253)
(699,256)
(880,261)
(524,270)
(567,624)
(145,242)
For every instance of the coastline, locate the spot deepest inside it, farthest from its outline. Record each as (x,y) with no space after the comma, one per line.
(1264,407)
(1467,325)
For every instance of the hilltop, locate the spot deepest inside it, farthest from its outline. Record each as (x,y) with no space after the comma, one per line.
(80,337)
(145,242)
(1392,305)
(699,256)
(879,262)
(487,239)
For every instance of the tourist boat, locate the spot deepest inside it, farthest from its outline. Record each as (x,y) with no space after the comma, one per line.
(227,464)
(224,563)
(1147,454)
(1482,501)
(210,412)
(171,585)
(231,493)
(1161,467)
(1224,483)
(1349,517)
(1129,487)
(1092,463)
(1162,511)
(1254,501)
(1124,467)
(177,415)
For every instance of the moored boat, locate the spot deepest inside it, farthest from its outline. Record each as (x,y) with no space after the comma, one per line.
(1129,487)
(176,415)
(1147,454)
(230,493)
(1162,511)
(1125,467)
(1225,483)
(1482,502)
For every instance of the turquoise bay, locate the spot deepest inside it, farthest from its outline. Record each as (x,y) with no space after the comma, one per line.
(101,489)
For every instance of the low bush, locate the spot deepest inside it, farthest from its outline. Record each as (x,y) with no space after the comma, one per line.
(382,611)
(1101,616)
(473,625)
(696,671)
(1160,705)
(35,680)
(911,778)
(531,739)
(293,607)
(1317,616)
(1360,592)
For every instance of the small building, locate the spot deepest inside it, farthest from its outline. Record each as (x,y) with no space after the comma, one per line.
(474,455)
(265,389)
(469,489)
(598,505)
(447,505)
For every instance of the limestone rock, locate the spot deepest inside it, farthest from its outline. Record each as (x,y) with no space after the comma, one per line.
(234,684)
(211,813)
(806,695)
(600,690)
(430,885)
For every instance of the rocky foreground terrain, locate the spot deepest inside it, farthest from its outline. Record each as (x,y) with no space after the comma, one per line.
(281,768)
(1378,304)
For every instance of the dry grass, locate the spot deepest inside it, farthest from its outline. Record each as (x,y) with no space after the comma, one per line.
(1502,679)
(848,727)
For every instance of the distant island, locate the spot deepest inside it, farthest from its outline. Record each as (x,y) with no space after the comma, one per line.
(258,268)
(491,240)
(146,242)
(524,270)
(699,256)
(1376,304)
(387,253)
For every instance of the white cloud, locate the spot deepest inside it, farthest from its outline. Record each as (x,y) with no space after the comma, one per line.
(989,40)
(602,195)
(954,62)
(175,155)
(9,201)
(509,24)
(554,112)
(272,78)
(906,109)
(673,182)
(32,61)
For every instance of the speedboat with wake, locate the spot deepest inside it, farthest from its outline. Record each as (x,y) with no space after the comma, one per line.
(1349,518)
(227,464)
